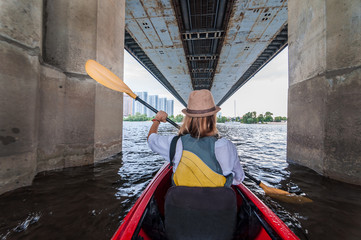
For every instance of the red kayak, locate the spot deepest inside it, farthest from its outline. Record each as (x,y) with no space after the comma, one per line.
(140,222)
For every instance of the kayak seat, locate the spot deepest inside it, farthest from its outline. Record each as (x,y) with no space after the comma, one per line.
(196,213)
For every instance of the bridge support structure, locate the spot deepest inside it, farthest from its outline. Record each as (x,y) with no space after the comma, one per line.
(52,114)
(324,103)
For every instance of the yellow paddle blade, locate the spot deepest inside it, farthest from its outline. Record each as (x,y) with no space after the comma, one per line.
(105,77)
(292,198)
(283,195)
(270,190)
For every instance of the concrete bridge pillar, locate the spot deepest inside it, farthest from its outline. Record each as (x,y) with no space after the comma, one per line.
(324,106)
(52,114)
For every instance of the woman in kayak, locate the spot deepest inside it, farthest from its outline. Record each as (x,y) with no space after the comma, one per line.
(201,158)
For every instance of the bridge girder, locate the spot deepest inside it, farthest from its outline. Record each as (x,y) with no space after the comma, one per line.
(205,44)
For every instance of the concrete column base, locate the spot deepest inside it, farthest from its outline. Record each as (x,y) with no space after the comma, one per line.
(53,115)
(324,117)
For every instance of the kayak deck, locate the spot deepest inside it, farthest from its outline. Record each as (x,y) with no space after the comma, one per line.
(135,226)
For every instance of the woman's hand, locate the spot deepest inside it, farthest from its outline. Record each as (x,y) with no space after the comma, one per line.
(161,116)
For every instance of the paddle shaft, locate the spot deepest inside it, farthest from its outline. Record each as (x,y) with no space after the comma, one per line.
(155,110)
(252,178)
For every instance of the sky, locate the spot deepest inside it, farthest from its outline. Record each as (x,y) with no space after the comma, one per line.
(267,91)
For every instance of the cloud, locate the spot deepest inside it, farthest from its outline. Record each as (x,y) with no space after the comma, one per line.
(266,91)
(140,80)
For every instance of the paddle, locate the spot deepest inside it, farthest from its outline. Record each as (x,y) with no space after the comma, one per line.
(105,77)
(280,194)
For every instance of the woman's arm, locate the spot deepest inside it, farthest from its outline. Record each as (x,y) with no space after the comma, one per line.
(227,156)
(160,117)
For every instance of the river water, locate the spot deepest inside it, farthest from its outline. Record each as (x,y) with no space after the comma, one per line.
(90,202)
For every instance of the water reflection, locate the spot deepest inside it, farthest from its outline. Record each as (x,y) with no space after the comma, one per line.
(336,210)
(90,202)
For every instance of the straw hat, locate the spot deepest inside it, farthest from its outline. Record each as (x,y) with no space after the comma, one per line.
(201,104)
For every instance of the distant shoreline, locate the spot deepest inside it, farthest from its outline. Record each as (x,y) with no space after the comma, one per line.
(276,123)
(270,123)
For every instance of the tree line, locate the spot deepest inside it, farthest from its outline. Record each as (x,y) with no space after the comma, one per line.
(248,118)
(143,117)
(251,118)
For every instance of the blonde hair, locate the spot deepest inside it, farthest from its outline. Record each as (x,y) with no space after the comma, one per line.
(199,127)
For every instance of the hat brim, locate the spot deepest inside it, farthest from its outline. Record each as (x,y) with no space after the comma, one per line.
(184,111)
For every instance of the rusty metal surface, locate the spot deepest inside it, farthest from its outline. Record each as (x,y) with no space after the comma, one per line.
(137,52)
(192,49)
(252,27)
(153,25)
(276,46)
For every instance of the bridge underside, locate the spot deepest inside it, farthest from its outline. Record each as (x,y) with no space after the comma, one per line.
(54,116)
(205,44)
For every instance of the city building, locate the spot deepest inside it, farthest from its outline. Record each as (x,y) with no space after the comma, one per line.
(127,105)
(153,101)
(170,107)
(162,104)
(137,106)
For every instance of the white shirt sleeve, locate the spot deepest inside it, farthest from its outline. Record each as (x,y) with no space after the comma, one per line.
(160,144)
(226,154)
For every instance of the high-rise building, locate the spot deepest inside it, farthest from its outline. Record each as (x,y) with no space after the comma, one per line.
(170,107)
(127,106)
(162,104)
(153,101)
(144,96)
(137,106)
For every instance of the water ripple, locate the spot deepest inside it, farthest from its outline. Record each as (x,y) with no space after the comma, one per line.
(90,202)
